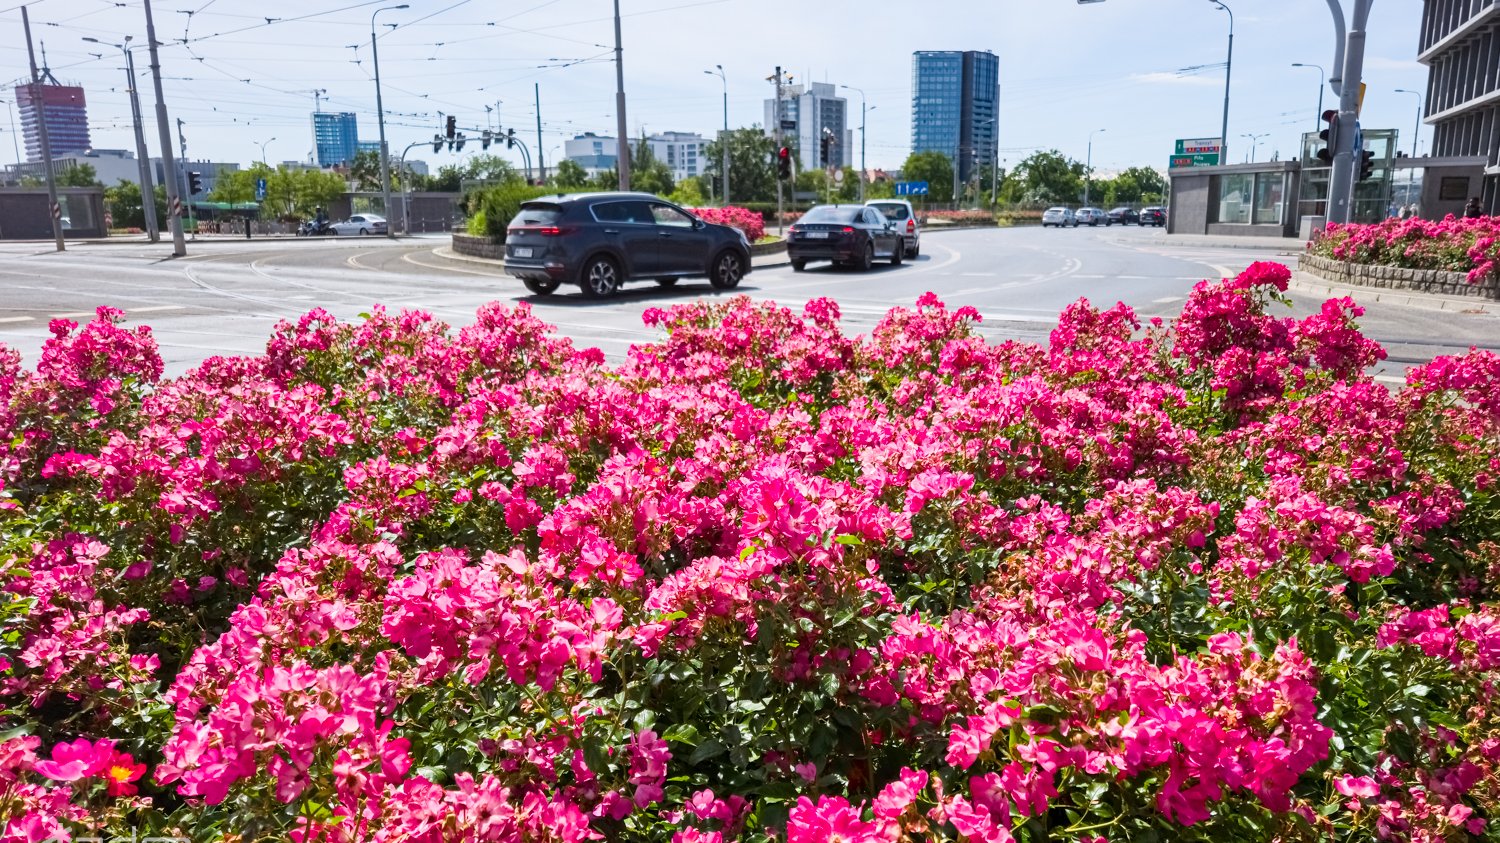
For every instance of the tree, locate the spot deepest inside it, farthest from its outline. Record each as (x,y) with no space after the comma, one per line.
(605,180)
(649,174)
(1049,176)
(752,164)
(364,171)
(1136,184)
(449,179)
(290,192)
(490,168)
(124,203)
(935,169)
(78,175)
(815,180)
(569,175)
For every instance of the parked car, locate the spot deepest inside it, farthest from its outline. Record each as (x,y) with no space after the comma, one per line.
(1060,217)
(899,211)
(1154,216)
(599,241)
(361,224)
(851,235)
(1123,216)
(1091,216)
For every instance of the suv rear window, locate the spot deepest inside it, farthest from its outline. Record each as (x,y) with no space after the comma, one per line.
(828,213)
(536,213)
(892,210)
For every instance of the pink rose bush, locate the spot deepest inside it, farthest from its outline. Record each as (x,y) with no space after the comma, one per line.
(762,580)
(746,220)
(1452,244)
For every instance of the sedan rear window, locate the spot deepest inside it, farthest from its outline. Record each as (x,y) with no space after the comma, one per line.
(536,213)
(892,210)
(828,213)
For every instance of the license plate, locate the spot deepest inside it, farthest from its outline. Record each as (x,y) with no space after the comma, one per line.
(817,235)
(522,251)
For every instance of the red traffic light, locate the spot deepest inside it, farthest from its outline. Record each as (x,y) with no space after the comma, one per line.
(784,153)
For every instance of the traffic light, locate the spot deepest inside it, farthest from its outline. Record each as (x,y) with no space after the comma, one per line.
(1366,164)
(437,143)
(458,145)
(195,183)
(784,162)
(510,138)
(1329,136)
(484,140)
(451,128)
(826,142)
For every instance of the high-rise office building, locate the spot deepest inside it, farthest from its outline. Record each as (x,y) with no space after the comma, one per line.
(66,114)
(955,100)
(1459,42)
(337,136)
(811,109)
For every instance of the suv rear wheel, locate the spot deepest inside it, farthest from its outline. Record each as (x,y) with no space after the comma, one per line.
(541,288)
(727,271)
(600,278)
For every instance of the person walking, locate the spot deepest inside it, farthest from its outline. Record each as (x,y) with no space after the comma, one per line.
(1473,209)
(1405,212)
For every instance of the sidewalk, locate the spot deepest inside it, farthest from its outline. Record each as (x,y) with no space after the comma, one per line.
(1262,244)
(1306,282)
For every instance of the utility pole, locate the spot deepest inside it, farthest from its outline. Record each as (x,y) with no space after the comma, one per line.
(863,115)
(385,152)
(187,193)
(724,138)
(53,209)
(1228,66)
(164,129)
(777,135)
(622,144)
(541,163)
(317,109)
(1341,181)
(148,193)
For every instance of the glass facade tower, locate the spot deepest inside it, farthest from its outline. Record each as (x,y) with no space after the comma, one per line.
(955,97)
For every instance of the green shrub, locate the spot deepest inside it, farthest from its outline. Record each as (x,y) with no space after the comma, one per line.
(498,205)
(478,224)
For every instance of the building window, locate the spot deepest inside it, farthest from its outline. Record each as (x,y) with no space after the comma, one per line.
(1269,191)
(1235,198)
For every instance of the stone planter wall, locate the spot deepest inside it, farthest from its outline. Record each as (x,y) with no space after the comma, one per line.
(767,248)
(1434,281)
(478,247)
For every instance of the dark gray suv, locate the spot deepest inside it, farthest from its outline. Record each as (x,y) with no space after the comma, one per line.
(601,240)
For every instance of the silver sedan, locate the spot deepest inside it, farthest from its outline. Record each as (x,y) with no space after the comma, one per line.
(361,224)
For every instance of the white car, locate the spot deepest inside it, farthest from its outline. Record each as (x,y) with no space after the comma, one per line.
(1060,217)
(1091,217)
(360,224)
(900,212)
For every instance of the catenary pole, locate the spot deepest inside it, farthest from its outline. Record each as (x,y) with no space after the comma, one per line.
(1341,181)
(40,101)
(622,144)
(164,129)
(385,153)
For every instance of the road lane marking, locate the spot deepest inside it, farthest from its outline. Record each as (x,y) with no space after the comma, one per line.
(15,318)
(157,308)
(75,314)
(1166,300)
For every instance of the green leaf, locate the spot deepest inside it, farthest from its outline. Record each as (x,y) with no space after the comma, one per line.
(706,750)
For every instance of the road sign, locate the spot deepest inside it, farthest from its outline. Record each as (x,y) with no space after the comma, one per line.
(260,189)
(788,125)
(56,211)
(911,188)
(1198,160)
(1199,146)
(176,209)
(838,175)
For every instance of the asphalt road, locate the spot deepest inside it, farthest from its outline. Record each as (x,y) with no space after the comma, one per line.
(225,296)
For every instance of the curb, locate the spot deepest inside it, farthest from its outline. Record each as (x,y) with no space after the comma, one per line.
(1309,283)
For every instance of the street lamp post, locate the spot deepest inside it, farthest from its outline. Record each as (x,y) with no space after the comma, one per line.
(15,143)
(263,152)
(1317,115)
(385,164)
(1254,143)
(724,139)
(1088,177)
(1228,66)
(148,193)
(1411,173)
(863,115)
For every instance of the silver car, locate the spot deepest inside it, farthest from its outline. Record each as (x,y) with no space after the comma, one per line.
(900,212)
(360,224)
(1091,216)
(1060,217)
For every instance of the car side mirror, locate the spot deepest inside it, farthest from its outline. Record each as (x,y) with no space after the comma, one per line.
(699,224)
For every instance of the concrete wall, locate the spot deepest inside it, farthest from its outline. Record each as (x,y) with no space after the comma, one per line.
(24,213)
(1432,206)
(1188,207)
(478,247)
(430,211)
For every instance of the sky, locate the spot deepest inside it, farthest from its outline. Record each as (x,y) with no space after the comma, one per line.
(1134,74)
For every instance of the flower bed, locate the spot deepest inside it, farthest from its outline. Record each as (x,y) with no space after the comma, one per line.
(750,222)
(762,580)
(970,217)
(1471,246)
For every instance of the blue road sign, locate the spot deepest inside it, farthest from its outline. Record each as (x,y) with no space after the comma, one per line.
(260,189)
(911,188)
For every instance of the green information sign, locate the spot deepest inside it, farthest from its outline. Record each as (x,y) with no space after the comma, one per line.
(1197,152)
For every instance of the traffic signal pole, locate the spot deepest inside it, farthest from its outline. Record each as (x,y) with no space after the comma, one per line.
(777,133)
(164,131)
(1341,181)
(54,210)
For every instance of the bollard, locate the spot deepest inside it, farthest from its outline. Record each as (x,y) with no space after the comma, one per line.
(247,228)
